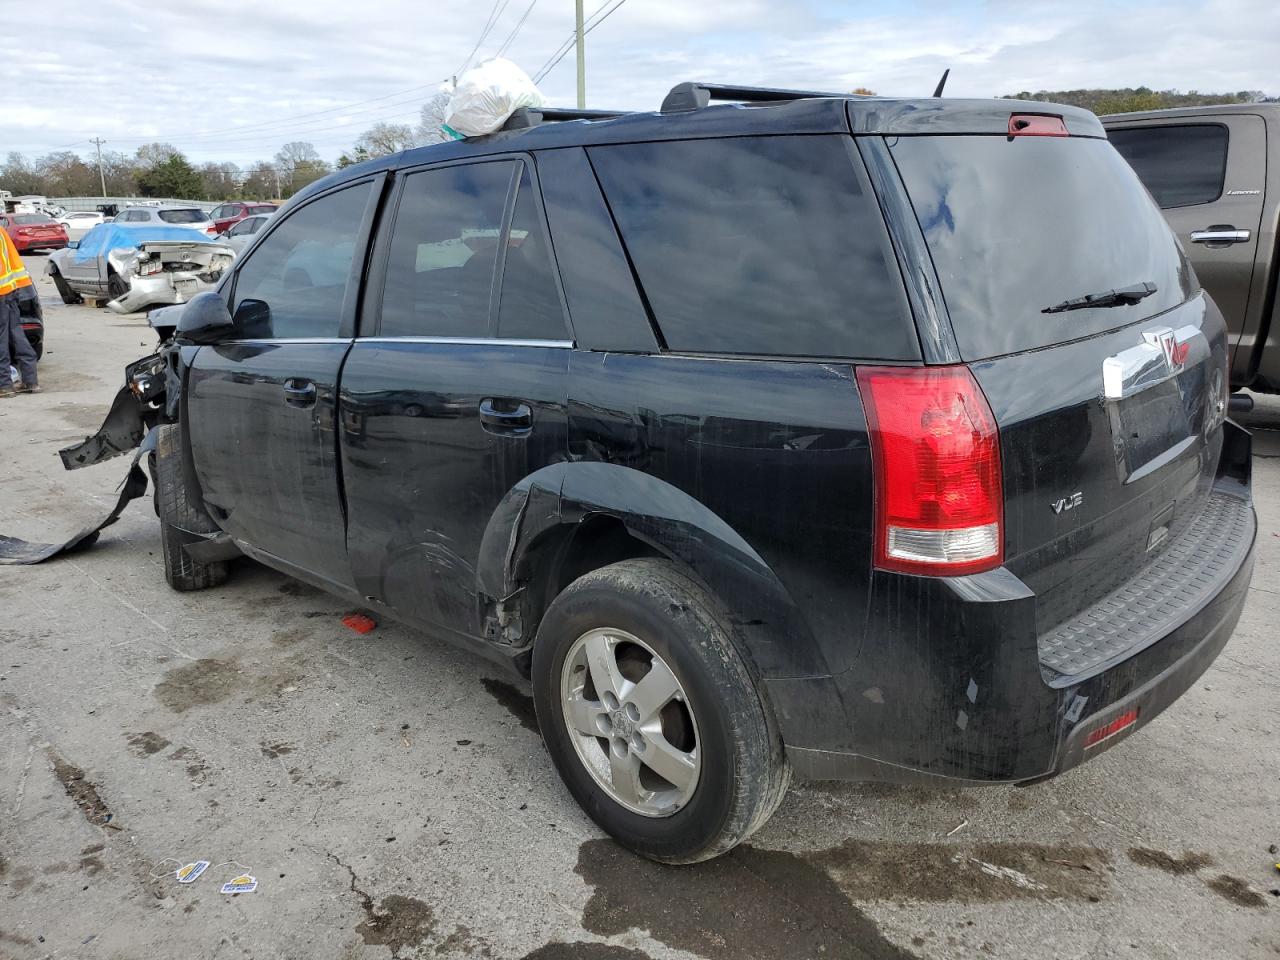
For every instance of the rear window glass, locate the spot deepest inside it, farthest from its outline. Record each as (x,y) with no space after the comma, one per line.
(1181,165)
(263,209)
(183,216)
(1016,226)
(31,219)
(759,245)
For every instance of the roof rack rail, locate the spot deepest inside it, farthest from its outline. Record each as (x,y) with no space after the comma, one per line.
(532,116)
(695,96)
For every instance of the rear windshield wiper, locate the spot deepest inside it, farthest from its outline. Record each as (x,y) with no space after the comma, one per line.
(1120,297)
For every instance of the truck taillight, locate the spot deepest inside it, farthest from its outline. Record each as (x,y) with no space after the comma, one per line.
(936,455)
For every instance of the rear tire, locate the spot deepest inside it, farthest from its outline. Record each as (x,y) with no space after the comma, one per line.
(648,619)
(181,521)
(64,290)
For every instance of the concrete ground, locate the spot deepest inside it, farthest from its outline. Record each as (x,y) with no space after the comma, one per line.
(392,797)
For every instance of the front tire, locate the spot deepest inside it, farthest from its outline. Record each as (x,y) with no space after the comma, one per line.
(651,715)
(64,289)
(181,520)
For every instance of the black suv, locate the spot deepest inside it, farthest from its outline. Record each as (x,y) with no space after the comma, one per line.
(857,437)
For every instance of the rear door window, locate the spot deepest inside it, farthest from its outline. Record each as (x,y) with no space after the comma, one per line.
(759,245)
(443,251)
(1017,226)
(1181,165)
(529,308)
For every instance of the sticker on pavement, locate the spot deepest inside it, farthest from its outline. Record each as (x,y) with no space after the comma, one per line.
(191,872)
(241,884)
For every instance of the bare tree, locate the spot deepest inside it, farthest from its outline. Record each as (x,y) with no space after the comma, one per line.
(432,119)
(19,177)
(151,154)
(385,138)
(299,164)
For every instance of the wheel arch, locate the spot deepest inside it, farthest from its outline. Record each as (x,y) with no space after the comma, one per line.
(571,518)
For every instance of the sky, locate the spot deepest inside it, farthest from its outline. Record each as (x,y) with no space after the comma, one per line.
(236,85)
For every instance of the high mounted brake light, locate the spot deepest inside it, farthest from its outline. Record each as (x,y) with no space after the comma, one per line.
(1037,125)
(936,453)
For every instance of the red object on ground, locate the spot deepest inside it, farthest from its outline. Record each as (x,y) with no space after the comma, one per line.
(359,622)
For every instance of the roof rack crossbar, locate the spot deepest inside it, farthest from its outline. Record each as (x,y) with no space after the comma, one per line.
(695,96)
(532,116)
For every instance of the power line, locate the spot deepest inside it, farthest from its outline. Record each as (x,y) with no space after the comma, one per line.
(568,44)
(489,24)
(512,35)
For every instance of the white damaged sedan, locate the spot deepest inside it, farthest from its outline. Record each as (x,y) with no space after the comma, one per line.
(135,267)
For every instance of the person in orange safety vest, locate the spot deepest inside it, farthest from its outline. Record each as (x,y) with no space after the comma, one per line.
(14,347)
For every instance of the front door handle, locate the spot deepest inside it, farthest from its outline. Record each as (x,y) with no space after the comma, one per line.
(510,418)
(299,393)
(1220,234)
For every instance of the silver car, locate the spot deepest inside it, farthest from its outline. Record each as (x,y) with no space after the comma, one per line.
(239,235)
(138,266)
(169,214)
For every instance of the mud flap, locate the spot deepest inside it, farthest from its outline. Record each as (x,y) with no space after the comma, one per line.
(15,551)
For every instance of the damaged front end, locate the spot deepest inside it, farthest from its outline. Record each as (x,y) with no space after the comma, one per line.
(138,408)
(167,272)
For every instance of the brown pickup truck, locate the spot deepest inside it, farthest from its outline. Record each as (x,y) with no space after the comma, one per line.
(1213,174)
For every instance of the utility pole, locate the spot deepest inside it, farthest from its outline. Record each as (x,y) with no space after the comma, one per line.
(98,142)
(582,58)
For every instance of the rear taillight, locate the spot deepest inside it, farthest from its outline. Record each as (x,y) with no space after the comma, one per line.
(936,454)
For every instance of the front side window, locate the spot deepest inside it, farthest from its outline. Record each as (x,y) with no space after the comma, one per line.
(220,213)
(443,251)
(1181,165)
(298,276)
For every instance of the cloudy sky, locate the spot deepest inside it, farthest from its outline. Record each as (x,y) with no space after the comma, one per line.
(236,84)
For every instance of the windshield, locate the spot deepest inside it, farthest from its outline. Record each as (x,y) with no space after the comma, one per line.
(183,216)
(1020,225)
(29,219)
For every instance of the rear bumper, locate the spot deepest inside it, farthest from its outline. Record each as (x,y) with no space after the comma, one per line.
(26,244)
(950,687)
(157,289)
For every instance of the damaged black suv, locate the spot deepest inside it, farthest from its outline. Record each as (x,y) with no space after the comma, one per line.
(851,437)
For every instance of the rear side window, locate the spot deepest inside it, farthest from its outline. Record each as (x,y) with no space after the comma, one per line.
(529,308)
(1019,225)
(444,247)
(1181,165)
(759,245)
(182,216)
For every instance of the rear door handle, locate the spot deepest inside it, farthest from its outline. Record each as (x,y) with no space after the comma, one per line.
(514,421)
(299,393)
(1226,234)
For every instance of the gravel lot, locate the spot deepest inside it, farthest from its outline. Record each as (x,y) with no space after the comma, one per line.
(393,798)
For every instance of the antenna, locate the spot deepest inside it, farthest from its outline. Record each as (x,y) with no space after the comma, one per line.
(937,91)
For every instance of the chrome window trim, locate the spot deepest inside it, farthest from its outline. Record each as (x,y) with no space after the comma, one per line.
(256,340)
(473,341)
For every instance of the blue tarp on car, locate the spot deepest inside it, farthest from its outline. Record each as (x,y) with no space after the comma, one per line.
(112,236)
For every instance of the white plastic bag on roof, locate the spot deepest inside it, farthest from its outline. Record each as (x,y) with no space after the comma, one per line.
(486,95)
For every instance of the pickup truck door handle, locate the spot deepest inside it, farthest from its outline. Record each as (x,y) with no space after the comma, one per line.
(299,393)
(514,421)
(1226,234)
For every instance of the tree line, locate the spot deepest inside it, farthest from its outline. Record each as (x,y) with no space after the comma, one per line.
(1132,99)
(162,170)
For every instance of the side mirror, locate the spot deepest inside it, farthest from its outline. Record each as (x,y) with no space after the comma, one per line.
(205,319)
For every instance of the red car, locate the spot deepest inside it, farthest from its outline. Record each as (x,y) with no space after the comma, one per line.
(34,231)
(228,215)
